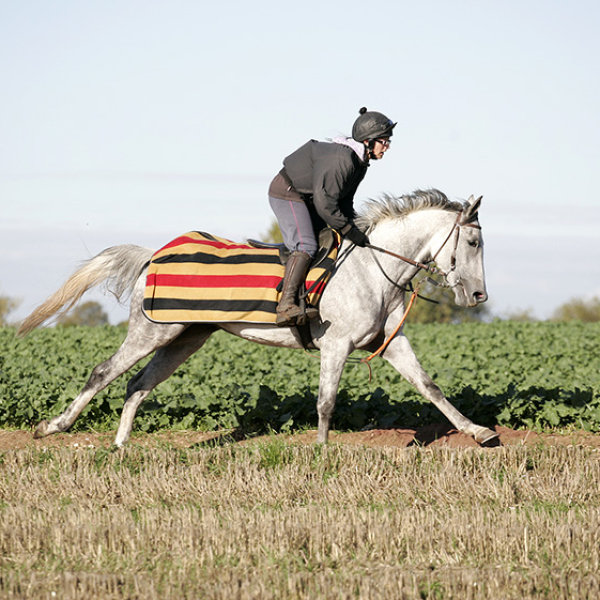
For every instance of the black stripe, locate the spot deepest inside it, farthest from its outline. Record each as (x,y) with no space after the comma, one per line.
(211,259)
(151,304)
(326,263)
(207,236)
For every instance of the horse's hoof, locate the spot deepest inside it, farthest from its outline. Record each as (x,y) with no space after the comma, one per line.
(41,430)
(487,437)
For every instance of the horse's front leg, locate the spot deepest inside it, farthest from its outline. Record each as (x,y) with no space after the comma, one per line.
(332,366)
(401,356)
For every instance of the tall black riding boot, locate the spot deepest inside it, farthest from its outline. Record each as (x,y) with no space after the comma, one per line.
(295,272)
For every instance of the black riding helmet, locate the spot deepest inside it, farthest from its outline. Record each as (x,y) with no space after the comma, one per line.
(371,125)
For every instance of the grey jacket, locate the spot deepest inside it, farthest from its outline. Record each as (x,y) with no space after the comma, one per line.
(327,175)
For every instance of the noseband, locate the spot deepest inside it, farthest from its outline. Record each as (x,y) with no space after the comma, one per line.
(456,231)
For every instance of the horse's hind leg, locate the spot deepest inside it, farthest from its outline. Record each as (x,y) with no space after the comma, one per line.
(161,367)
(141,340)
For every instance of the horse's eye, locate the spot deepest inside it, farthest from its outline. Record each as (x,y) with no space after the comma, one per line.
(474,244)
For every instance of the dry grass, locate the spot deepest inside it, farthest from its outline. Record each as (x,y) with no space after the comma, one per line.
(278,521)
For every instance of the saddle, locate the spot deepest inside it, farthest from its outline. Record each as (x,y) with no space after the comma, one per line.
(328,239)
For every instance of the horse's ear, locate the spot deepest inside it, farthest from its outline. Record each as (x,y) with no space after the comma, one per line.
(472,209)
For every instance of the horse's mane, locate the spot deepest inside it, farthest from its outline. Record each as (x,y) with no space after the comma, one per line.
(395,207)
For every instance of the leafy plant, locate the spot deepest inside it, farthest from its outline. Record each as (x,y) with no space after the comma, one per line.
(520,374)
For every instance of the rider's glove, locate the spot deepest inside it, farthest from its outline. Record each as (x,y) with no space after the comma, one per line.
(356,236)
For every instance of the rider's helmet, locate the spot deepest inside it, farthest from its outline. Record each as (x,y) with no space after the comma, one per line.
(371,125)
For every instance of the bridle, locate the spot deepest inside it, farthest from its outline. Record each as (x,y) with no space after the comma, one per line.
(456,227)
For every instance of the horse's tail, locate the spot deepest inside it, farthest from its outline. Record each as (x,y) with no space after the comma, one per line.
(119,266)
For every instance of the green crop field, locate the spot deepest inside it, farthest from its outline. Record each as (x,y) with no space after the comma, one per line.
(533,375)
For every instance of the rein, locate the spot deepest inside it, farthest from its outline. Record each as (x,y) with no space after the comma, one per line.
(421,266)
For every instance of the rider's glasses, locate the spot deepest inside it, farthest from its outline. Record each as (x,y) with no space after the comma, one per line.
(384,143)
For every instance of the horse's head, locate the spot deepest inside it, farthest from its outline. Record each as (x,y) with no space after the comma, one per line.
(461,257)
(426,226)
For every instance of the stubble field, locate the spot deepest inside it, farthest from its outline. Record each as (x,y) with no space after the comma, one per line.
(274,519)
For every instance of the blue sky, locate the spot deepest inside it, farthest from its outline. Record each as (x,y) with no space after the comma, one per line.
(132,122)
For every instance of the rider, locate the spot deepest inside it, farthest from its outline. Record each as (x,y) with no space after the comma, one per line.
(315,189)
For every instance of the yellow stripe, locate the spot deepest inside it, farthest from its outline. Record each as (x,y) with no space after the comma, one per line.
(212,293)
(185,316)
(190,268)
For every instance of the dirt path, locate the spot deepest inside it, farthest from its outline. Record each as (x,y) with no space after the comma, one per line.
(434,435)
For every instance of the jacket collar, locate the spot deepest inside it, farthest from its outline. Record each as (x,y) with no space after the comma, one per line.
(358,147)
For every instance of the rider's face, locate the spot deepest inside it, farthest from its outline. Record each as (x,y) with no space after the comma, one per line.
(380,147)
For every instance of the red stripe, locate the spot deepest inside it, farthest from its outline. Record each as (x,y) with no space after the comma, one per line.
(318,288)
(214,281)
(218,245)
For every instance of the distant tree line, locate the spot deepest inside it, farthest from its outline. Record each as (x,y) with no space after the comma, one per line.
(577,309)
(434,305)
(7,305)
(87,313)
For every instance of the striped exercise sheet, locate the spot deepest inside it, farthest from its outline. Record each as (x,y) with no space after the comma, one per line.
(200,277)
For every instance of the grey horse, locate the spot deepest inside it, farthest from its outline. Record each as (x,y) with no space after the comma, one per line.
(359,309)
